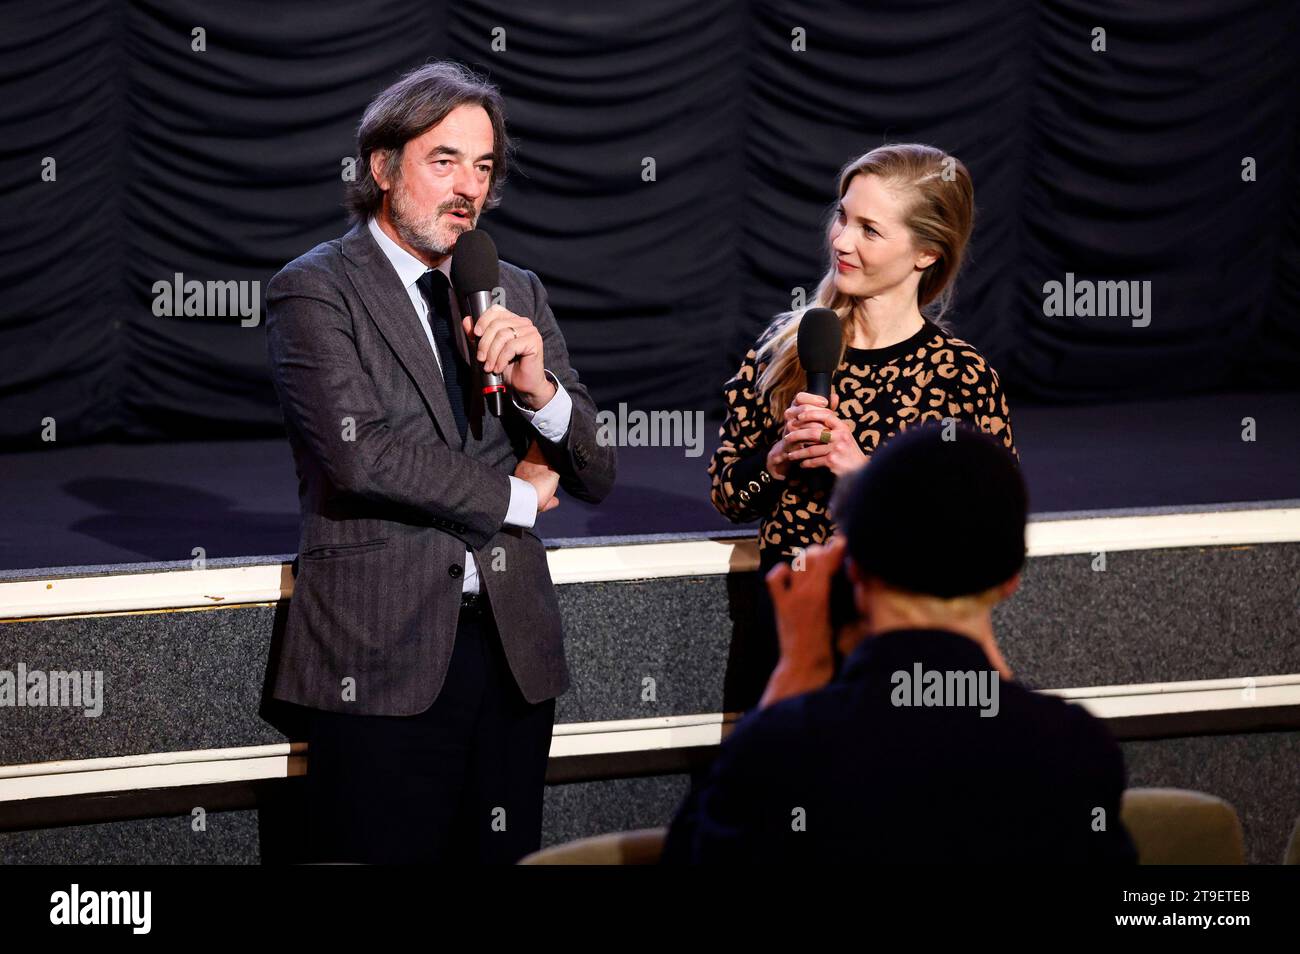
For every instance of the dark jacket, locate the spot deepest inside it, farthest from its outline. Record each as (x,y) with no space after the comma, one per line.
(391,496)
(877,782)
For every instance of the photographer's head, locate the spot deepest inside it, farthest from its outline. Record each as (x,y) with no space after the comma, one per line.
(934,527)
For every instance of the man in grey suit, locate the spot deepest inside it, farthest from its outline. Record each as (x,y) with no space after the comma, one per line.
(423,637)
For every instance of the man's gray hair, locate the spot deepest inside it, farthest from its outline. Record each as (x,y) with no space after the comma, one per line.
(414,104)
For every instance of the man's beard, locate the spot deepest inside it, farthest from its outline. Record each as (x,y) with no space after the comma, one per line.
(431,235)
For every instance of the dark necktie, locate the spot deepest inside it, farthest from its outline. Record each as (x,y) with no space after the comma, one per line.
(434,286)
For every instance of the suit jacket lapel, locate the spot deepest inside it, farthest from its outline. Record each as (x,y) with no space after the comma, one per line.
(390,309)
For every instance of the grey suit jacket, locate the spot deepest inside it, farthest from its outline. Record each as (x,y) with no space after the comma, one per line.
(391,497)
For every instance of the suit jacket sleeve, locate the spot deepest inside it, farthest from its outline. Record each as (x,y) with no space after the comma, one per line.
(585,465)
(330,401)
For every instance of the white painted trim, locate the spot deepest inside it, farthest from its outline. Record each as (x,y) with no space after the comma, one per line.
(646,561)
(1210,528)
(133,592)
(1169,698)
(138,761)
(267,583)
(639,735)
(570,740)
(158,770)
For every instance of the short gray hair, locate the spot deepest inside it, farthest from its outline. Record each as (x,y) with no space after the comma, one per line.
(414,104)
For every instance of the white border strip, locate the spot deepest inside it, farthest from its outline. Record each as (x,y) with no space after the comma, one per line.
(132,592)
(1211,528)
(267,583)
(570,740)
(648,561)
(639,735)
(159,770)
(1171,698)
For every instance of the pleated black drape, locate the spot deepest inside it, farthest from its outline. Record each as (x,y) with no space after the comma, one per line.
(128,156)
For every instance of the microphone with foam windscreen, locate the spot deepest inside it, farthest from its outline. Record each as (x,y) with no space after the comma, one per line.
(475,273)
(820,341)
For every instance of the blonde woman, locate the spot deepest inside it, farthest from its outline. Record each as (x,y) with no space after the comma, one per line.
(896,240)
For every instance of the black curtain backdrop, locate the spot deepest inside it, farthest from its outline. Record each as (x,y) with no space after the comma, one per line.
(225,164)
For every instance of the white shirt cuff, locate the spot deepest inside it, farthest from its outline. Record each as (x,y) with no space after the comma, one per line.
(552,419)
(522,511)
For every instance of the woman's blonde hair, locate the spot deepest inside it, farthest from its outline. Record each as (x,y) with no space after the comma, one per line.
(939,214)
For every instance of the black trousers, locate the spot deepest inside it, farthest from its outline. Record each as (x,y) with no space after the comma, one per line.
(461,782)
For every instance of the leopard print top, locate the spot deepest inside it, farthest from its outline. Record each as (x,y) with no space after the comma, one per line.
(882,391)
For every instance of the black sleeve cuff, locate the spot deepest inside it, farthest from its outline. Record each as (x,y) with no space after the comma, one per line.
(753,485)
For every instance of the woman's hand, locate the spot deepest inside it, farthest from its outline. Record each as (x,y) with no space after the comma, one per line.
(777,463)
(806,420)
(778,457)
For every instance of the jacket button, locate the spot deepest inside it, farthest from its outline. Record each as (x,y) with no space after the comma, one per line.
(454,571)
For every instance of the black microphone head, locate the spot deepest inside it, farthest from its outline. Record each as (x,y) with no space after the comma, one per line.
(820,338)
(474,263)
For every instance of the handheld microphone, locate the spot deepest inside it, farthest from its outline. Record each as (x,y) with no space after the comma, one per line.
(819,345)
(820,341)
(475,273)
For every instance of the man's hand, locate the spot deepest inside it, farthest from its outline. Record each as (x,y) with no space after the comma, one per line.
(534,469)
(801,600)
(511,346)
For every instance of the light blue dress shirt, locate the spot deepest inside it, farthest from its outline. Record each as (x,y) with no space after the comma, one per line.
(551,420)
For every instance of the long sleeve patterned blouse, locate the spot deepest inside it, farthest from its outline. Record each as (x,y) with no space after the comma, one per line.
(882,391)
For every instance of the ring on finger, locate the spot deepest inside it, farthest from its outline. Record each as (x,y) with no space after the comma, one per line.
(827,436)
